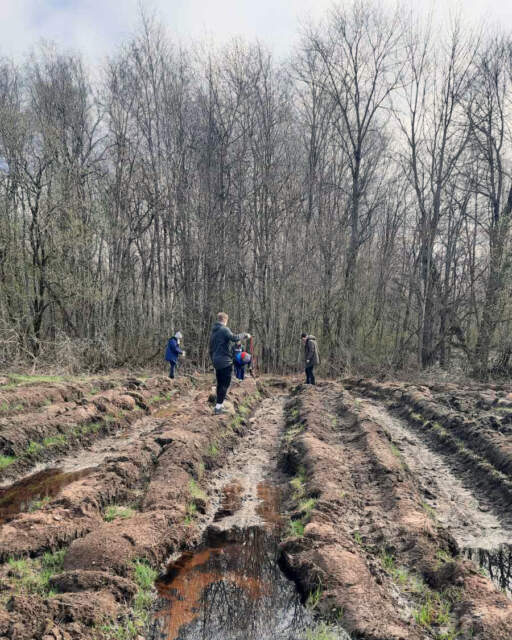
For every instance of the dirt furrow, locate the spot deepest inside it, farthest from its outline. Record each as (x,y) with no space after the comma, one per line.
(32,441)
(368,543)
(484,451)
(156,480)
(468,517)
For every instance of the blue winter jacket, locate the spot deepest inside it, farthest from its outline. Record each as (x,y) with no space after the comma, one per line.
(173,351)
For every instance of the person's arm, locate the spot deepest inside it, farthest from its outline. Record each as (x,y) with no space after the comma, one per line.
(235,337)
(309,352)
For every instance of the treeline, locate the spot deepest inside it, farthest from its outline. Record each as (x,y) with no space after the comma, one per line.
(360,191)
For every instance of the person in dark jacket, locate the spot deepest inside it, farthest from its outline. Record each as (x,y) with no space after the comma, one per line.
(222,356)
(173,352)
(311,357)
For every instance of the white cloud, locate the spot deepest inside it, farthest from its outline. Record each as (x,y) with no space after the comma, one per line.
(97,27)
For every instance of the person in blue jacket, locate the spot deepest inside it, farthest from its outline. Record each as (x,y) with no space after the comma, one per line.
(237,361)
(173,352)
(240,359)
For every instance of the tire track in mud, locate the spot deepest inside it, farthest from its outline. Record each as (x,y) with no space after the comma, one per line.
(466,515)
(230,585)
(371,543)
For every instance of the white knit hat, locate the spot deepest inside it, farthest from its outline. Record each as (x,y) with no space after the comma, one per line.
(178,335)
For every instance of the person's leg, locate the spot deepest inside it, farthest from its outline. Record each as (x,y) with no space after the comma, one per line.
(226,382)
(172,369)
(309,375)
(223,382)
(242,372)
(218,373)
(312,376)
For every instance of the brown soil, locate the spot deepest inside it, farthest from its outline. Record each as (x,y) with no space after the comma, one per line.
(152,471)
(378,553)
(377,495)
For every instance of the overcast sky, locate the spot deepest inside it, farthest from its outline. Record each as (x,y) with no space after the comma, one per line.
(96,27)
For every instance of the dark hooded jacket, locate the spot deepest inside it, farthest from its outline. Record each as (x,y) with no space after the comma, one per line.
(311,356)
(220,345)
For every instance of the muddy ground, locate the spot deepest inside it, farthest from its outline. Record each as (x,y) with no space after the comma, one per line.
(353,509)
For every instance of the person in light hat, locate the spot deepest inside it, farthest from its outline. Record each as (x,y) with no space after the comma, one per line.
(173,352)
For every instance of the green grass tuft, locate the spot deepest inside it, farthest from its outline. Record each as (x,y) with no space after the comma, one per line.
(53,441)
(33,448)
(5,461)
(114,511)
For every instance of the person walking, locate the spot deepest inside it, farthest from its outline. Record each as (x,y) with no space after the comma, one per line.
(311,357)
(222,356)
(173,352)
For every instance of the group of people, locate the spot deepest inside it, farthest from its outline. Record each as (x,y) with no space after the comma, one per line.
(226,350)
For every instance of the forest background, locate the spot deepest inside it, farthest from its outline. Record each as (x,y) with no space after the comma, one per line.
(359,190)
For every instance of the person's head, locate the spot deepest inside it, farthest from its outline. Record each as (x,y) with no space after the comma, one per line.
(303,337)
(178,335)
(222,317)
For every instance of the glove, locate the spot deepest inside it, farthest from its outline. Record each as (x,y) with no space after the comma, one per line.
(183,354)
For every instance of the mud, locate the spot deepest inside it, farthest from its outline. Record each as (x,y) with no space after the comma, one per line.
(231,586)
(38,487)
(229,592)
(35,441)
(303,513)
(369,539)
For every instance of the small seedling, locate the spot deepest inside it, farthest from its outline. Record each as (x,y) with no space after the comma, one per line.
(114,511)
(296,529)
(314,597)
(34,448)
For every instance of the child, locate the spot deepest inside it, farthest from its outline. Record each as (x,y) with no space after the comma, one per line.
(240,359)
(173,352)
(239,369)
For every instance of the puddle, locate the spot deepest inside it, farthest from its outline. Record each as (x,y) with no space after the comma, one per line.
(231,587)
(22,495)
(232,590)
(497,564)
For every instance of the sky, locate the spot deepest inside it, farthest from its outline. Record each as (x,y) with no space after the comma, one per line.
(97,27)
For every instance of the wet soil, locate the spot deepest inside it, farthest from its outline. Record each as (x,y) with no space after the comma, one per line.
(231,591)
(231,587)
(371,540)
(38,487)
(387,513)
(468,514)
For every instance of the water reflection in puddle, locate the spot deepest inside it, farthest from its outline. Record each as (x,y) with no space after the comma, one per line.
(232,592)
(497,564)
(21,495)
(233,588)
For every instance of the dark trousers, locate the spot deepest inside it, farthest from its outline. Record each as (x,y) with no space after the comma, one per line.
(310,376)
(223,382)
(174,366)
(240,371)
